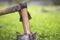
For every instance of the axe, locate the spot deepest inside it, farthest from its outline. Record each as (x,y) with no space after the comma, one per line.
(23,12)
(24,5)
(24,18)
(14,9)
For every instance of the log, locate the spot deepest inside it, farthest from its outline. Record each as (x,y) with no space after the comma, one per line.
(27,37)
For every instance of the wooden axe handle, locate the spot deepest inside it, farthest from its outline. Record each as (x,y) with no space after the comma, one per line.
(25,21)
(22,8)
(10,10)
(24,15)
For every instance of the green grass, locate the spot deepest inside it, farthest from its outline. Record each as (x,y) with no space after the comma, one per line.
(46,24)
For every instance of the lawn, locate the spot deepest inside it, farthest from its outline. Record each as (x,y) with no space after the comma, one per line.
(46,24)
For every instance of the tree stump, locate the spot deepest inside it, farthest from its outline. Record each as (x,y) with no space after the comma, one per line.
(26,37)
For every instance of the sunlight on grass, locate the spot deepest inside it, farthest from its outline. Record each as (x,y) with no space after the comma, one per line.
(46,24)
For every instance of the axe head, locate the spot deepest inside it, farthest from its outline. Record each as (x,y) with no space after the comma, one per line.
(24,5)
(29,17)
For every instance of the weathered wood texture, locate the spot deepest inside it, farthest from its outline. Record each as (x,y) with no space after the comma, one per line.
(10,10)
(29,17)
(25,16)
(26,37)
(25,21)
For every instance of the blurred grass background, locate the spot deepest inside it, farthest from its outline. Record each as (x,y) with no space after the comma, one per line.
(46,24)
